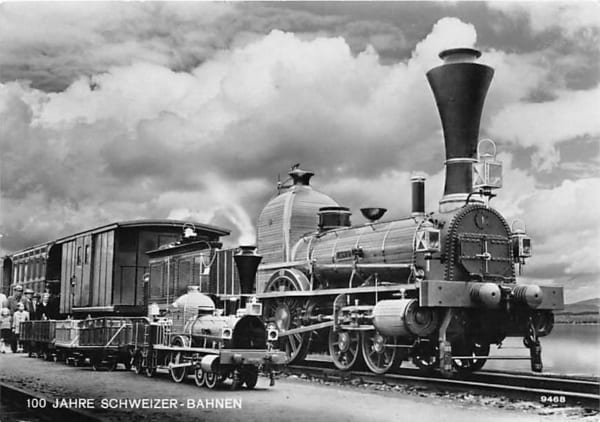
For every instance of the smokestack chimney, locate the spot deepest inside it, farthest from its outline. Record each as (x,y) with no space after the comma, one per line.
(247,262)
(459,86)
(418,196)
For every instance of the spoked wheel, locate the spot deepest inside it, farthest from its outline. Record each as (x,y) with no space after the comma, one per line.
(199,377)
(149,364)
(285,313)
(150,371)
(178,374)
(379,351)
(211,380)
(471,365)
(344,348)
(250,377)
(425,356)
(128,362)
(138,366)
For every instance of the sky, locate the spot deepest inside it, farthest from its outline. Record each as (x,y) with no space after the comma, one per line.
(118,111)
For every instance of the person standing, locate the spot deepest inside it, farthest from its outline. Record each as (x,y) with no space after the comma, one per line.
(3,300)
(5,330)
(21,315)
(13,301)
(45,309)
(29,302)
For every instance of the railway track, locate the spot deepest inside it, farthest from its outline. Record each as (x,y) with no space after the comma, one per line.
(546,389)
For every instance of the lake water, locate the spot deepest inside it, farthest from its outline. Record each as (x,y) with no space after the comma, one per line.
(569,349)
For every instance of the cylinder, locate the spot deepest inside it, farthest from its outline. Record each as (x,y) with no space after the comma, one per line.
(246,261)
(486,294)
(531,295)
(404,318)
(459,87)
(418,196)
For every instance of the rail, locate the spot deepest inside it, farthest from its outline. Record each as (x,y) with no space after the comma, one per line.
(581,391)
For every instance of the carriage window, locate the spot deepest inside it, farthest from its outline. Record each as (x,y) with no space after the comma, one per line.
(87,254)
(79,255)
(185,276)
(156,280)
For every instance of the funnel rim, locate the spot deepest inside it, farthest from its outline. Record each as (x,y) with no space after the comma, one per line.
(460,50)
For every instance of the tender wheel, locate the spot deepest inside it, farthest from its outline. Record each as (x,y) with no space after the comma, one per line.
(150,371)
(285,313)
(211,380)
(250,377)
(199,377)
(344,348)
(425,356)
(379,355)
(471,365)
(178,374)
(96,364)
(128,363)
(138,366)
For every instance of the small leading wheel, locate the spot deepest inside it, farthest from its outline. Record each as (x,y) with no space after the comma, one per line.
(250,377)
(425,355)
(379,351)
(199,377)
(211,379)
(344,348)
(471,365)
(178,374)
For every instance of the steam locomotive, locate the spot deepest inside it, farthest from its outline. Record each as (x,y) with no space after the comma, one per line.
(437,288)
(190,338)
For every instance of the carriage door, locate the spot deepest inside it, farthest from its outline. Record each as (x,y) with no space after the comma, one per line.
(84,246)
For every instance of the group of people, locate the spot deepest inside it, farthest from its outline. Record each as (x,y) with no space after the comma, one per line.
(23,305)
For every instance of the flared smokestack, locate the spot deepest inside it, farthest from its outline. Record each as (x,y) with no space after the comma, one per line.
(459,87)
(247,262)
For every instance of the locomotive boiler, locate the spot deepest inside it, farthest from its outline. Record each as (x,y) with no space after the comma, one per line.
(437,288)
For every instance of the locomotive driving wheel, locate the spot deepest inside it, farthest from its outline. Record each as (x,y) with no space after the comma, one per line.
(344,348)
(286,313)
(178,374)
(378,351)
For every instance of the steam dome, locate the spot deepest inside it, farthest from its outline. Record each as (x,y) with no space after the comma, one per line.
(289,216)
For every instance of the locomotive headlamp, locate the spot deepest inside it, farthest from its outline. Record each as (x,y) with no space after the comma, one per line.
(427,239)
(521,243)
(487,172)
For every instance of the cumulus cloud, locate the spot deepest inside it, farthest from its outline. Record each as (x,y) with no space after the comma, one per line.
(179,124)
(573,18)
(545,124)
